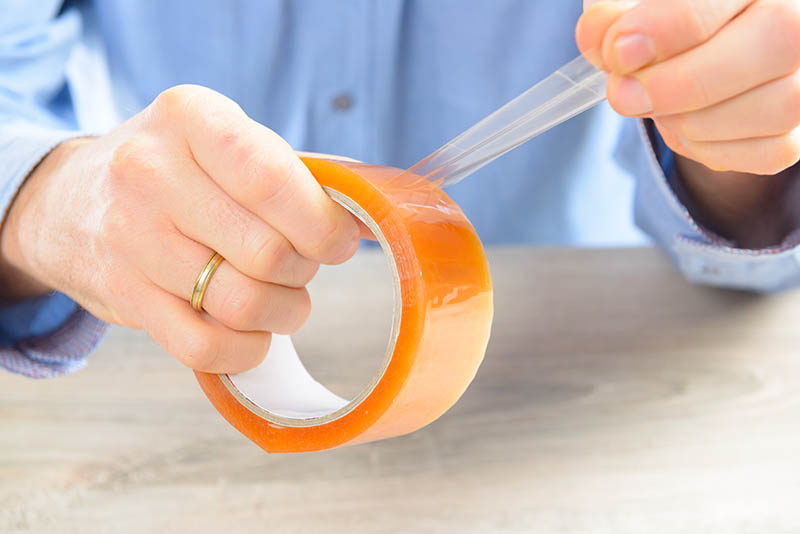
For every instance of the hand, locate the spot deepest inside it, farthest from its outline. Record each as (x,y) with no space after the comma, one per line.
(721,80)
(125,222)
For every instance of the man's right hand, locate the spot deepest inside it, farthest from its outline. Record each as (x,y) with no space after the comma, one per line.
(124,223)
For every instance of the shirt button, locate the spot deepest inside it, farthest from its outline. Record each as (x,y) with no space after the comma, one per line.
(342,102)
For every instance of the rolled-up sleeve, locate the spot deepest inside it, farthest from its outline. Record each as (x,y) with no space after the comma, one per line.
(702,256)
(50,335)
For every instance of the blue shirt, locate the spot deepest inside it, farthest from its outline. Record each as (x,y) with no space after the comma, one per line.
(382,81)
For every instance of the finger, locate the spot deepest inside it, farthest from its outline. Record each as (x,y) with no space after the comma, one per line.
(764,155)
(232,298)
(776,105)
(756,47)
(198,341)
(208,215)
(656,30)
(672,141)
(259,170)
(365,232)
(597,18)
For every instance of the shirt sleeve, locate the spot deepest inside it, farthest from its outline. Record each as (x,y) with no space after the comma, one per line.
(702,256)
(51,335)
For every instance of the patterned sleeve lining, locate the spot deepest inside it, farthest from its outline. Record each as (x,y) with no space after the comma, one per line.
(58,353)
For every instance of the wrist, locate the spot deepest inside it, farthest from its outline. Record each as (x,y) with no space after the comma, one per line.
(746,208)
(18,276)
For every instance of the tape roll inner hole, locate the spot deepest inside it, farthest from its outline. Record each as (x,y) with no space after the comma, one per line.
(282,391)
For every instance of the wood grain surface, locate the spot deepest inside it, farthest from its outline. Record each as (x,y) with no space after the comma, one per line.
(614,398)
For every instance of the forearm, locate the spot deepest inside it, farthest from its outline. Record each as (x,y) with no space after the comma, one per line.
(754,211)
(49,335)
(17,276)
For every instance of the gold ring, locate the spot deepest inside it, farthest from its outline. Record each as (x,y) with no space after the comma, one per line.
(200,285)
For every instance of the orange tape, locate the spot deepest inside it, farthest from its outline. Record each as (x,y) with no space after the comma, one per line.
(442,320)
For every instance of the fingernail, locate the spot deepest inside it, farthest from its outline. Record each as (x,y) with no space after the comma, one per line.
(631,98)
(634,51)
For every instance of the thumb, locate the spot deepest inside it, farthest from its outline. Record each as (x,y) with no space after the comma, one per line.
(597,18)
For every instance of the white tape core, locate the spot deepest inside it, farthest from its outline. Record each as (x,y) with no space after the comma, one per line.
(281,390)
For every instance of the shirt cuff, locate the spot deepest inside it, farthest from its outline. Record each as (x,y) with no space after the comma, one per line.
(700,254)
(57,353)
(34,317)
(666,159)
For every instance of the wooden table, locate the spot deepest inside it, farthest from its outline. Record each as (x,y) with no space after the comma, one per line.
(614,398)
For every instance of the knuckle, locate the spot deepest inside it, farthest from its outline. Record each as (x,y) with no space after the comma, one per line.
(270,256)
(133,159)
(335,242)
(290,313)
(264,172)
(224,124)
(275,260)
(177,100)
(240,308)
(173,101)
(229,140)
(184,100)
(698,18)
(303,271)
(324,245)
(700,93)
(269,179)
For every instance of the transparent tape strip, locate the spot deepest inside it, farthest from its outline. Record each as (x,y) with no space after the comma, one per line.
(572,89)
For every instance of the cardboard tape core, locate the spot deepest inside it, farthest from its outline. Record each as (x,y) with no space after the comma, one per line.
(282,390)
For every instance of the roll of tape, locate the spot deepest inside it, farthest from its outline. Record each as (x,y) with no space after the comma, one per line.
(441,324)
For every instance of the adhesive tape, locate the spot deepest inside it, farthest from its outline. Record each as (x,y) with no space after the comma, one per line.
(442,317)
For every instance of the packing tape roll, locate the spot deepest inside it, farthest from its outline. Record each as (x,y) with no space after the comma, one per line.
(441,323)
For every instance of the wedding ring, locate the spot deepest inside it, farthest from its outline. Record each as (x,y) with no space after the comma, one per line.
(200,285)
